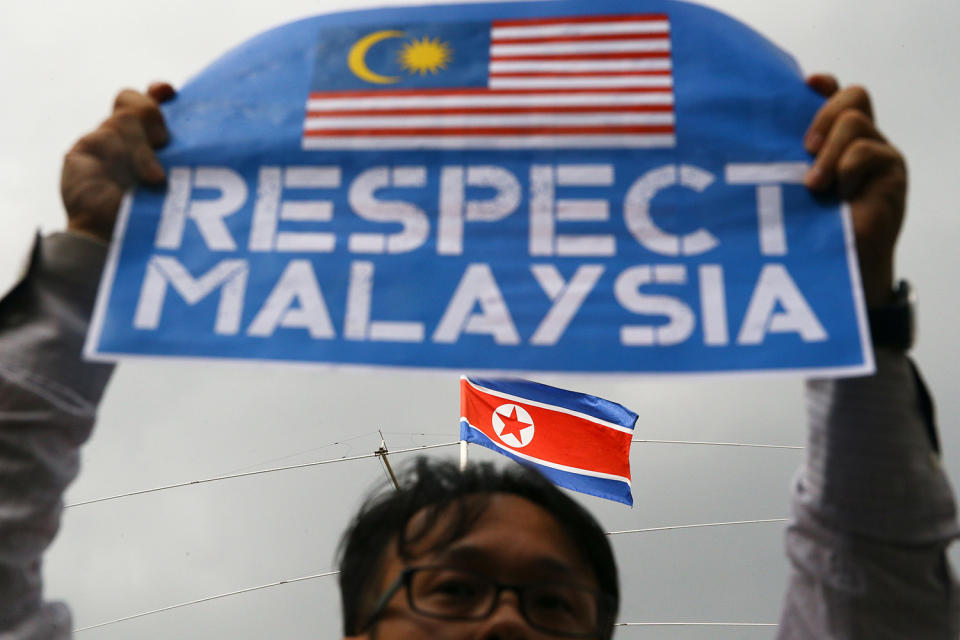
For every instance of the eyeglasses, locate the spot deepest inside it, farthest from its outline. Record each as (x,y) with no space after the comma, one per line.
(448,593)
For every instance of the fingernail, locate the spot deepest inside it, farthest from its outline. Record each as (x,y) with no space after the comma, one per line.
(156,171)
(813,141)
(814,178)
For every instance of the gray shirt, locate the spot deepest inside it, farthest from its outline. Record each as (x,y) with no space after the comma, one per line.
(873,511)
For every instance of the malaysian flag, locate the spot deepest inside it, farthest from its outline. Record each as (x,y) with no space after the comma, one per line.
(567,82)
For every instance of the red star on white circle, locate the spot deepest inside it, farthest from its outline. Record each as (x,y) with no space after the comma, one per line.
(513,425)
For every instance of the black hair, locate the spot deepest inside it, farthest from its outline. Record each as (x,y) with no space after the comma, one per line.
(437,487)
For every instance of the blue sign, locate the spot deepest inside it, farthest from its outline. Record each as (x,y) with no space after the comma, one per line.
(549,186)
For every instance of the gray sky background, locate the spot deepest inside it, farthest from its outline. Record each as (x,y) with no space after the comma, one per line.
(164,423)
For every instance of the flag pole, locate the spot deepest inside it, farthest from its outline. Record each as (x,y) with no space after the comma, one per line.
(382,452)
(463,443)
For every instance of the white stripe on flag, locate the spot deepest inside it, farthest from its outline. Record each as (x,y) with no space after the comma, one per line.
(544,405)
(552,465)
(557,48)
(506,120)
(579,29)
(552,141)
(574,66)
(488,100)
(581,82)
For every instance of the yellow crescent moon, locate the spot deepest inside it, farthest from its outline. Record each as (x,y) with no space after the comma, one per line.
(356,59)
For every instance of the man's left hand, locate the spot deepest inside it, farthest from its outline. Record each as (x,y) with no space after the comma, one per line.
(856,161)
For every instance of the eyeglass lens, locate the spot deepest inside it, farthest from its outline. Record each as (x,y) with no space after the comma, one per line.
(565,609)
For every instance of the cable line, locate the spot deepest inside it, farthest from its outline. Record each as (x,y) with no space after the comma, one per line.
(254,473)
(720,444)
(332,573)
(375,454)
(379,453)
(207,599)
(694,526)
(300,453)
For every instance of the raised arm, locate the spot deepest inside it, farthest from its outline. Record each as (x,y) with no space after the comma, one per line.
(873,512)
(48,394)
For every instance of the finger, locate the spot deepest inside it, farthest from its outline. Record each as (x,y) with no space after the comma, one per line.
(83,180)
(865,159)
(146,110)
(90,197)
(129,126)
(161,91)
(854,97)
(849,126)
(112,155)
(124,153)
(824,84)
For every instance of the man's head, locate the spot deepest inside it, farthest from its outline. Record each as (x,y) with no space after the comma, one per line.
(478,529)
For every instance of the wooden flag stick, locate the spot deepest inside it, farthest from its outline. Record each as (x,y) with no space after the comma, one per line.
(382,452)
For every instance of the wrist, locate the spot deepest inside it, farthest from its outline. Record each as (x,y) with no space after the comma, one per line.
(878,281)
(78,228)
(892,323)
(75,259)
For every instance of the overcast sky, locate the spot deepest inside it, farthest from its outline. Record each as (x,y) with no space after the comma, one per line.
(165,423)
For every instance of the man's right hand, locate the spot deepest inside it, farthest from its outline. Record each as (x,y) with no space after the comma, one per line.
(116,156)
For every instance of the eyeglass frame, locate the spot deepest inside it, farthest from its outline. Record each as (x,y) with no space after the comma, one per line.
(603,601)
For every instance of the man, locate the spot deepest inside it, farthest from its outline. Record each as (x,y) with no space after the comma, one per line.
(441,558)
(502,558)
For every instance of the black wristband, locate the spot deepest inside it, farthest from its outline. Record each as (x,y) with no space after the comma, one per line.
(892,325)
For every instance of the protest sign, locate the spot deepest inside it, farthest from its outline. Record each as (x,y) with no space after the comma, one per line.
(536,186)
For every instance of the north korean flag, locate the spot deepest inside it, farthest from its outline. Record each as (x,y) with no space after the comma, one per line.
(578,441)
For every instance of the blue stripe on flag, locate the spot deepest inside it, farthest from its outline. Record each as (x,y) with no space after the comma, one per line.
(581,402)
(606,488)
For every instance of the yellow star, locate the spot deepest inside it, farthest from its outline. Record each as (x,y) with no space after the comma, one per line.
(425,55)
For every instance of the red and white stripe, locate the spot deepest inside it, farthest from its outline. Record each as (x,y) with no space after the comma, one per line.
(578,82)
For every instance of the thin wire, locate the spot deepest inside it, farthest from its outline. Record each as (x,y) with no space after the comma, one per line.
(254,473)
(696,624)
(694,526)
(370,455)
(300,453)
(331,573)
(720,444)
(416,433)
(407,450)
(207,599)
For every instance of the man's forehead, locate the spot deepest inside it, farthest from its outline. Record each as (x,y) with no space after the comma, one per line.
(468,555)
(501,527)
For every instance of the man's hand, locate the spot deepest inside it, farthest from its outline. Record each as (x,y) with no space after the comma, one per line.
(854,159)
(119,154)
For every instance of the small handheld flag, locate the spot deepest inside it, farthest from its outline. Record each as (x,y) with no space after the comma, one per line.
(578,441)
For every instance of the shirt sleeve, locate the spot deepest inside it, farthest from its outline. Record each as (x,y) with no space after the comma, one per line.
(48,399)
(873,514)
